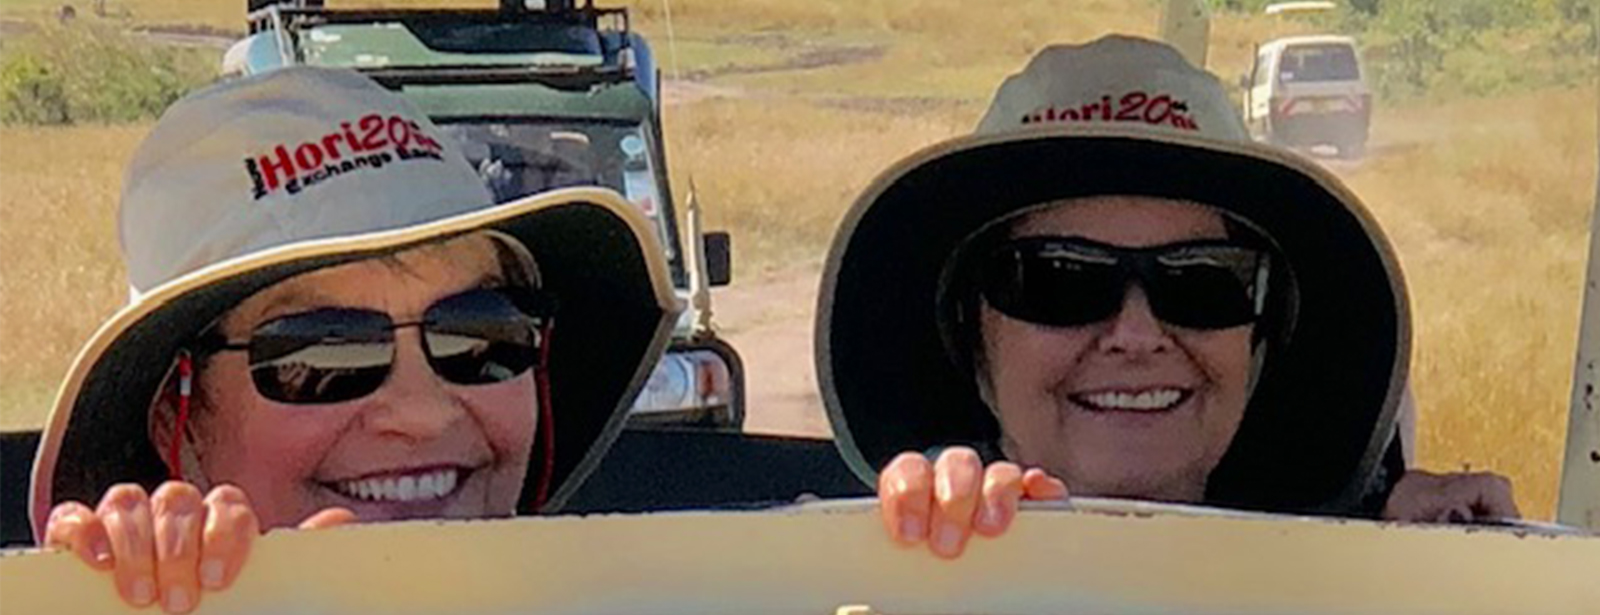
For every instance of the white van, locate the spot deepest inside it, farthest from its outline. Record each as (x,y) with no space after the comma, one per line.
(1308,91)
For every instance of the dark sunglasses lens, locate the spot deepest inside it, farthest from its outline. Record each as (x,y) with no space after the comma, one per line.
(1058,290)
(321,357)
(1201,297)
(481,337)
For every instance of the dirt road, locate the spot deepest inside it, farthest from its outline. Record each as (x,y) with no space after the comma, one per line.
(769,319)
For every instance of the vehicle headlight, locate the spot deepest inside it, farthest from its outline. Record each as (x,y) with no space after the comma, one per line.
(686,380)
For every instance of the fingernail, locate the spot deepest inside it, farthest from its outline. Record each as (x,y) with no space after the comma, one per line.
(144,591)
(101,550)
(948,538)
(912,528)
(989,517)
(177,600)
(211,574)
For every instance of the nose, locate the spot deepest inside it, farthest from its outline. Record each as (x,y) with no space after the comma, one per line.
(414,403)
(1135,329)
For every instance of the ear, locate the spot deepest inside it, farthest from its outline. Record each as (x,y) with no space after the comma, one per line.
(162,427)
(163,416)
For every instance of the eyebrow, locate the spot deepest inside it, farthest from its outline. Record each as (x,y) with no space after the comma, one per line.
(293,296)
(299,294)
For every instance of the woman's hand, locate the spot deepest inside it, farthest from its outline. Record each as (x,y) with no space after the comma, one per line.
(168,546)
(1451,498)
(945,501)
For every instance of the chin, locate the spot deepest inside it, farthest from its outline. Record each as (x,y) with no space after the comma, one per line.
(1163,484)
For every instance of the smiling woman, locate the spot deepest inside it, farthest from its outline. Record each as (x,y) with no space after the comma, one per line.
(1128,407)
(347,436)
(1127,307)
(384,344)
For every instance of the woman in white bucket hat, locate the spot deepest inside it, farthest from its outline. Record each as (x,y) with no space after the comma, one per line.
(1110,284)
(332,321)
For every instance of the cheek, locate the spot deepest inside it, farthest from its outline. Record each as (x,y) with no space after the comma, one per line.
(238,428)
(1025,365)
(1025,361)
(508,412)
(1225,357)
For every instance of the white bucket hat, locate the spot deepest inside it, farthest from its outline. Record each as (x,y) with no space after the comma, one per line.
(253,181)
(1120,116)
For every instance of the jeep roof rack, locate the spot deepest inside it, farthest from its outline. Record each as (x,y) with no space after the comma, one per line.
(290,18)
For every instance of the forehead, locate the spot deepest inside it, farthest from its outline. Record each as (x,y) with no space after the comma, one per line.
(1134,221)
(401,284)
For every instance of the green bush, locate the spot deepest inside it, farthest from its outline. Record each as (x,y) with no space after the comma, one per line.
(29,92)
(94,73)
(1478,47)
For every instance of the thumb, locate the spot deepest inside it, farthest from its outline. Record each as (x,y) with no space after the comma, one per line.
(328,517)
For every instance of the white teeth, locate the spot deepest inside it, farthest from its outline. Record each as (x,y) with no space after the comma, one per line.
(410,488)
(1160,399)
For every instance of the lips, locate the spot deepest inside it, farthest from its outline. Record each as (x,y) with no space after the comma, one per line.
(423,485)
(1148,400)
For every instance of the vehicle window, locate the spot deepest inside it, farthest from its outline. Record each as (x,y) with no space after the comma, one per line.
(517,159)
(510,38)
(1318,63)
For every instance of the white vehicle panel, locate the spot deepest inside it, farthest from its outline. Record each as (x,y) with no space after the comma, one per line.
(1105,558)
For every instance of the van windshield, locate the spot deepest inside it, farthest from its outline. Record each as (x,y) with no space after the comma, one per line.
(517,158)
(1324,62)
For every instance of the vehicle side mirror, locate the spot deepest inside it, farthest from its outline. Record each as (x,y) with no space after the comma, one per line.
(718,246)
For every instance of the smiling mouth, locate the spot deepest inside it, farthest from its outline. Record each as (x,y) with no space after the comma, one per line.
(1148,400)
(411,486)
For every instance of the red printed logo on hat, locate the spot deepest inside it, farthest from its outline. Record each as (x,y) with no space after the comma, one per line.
(369,143)
(1139,107)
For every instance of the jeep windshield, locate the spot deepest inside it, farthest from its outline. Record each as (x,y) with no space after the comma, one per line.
(436,43)
(519,157)
(1321,62)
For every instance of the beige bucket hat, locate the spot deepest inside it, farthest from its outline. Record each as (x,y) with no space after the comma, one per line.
(1120,116)
(253,181)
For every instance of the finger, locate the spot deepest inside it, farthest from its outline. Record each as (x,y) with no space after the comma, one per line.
(957,481)
(1002,489)
(1039,485)
(125,510)
(1495,497)
(74,527)
(230,528)
(1417,498)
(330,517)
(905,495)
(180,515)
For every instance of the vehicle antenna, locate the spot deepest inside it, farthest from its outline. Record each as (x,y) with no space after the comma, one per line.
(699,289)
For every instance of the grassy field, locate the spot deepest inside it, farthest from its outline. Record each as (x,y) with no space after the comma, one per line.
(1487,201)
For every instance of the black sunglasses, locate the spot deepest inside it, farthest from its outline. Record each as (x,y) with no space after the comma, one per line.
(333,355)
(1070,281)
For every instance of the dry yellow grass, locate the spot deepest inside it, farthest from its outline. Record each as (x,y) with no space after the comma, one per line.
(1488,203)
(62,272)
(779,173)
